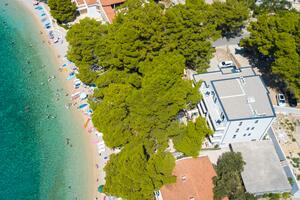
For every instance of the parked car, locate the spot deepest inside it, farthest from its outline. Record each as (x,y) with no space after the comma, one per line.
(226,64)
(281,99)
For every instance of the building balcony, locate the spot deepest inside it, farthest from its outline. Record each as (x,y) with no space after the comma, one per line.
(211,109)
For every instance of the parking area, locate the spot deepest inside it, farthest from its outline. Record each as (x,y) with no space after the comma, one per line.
(234,53)
(228,53)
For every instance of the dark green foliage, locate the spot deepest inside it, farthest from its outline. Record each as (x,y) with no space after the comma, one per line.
(133,38)
(141,90)
(163,94)
(228,182)
(127,113)
(189,141)
(134,174)
(84,39)
(189,30)
(63,11)
(231,16)
(110,115)
(276,39)
(145,31)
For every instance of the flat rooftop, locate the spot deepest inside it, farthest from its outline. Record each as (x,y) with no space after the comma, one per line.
(263,172)
(218,75)
(194,180)
(243,97)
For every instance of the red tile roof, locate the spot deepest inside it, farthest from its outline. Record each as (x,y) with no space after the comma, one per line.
(194,180)
(110,13)
(90,2)
(80,2)
(111,2)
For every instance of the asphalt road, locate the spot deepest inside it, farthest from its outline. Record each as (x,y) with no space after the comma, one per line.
(287,110)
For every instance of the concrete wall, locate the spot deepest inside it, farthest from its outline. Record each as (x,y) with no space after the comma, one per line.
(246,130)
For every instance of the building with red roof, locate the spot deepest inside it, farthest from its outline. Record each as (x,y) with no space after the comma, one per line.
(103,10)
(109,8)
(193,182)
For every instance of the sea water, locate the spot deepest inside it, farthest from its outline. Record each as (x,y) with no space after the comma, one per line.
(35,160)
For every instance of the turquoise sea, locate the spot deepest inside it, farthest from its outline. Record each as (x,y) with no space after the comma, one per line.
(35,160)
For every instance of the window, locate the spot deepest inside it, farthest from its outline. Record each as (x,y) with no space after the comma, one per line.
(249,134)
(256,121)
(252,128)
(240,124)
(244,135)
(222,116)
(215,98)
(248,128)
(234,136)
(237,130)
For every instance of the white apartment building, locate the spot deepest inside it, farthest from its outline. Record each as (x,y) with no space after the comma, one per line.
(102,10)
(236,105)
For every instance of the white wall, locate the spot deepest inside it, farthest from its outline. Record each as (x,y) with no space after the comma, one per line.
(247,131)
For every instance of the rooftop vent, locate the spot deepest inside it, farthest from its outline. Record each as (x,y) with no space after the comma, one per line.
(192,198)
(183,178)
(251,100)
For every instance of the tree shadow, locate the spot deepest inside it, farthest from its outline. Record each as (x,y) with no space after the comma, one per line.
(263,64)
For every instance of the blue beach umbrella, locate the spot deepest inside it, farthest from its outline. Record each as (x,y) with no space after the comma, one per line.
(100,188)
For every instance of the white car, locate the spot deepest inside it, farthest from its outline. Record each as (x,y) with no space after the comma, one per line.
(280,99)
(226,64)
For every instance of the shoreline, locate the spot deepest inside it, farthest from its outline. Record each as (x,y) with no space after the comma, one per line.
(57,52)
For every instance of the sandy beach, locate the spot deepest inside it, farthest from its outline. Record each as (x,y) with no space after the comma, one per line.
(58,52)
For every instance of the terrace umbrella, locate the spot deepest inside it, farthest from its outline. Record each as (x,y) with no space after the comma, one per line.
(100,188)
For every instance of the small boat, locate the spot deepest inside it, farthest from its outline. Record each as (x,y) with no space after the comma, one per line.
(82,106)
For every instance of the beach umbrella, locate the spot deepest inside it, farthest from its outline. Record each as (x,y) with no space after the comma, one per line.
(100,188)
(83,96)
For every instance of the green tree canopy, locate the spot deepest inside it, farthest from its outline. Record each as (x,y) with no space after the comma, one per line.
(231,16)
(228,182)
(84,39)
(276,39)
(110,115)
(134,173)
(141,88)
(63,11)
(190,29)
(190,139)
(140,120)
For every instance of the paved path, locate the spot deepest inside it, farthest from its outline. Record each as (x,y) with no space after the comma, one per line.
(287,110)
(232,41)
